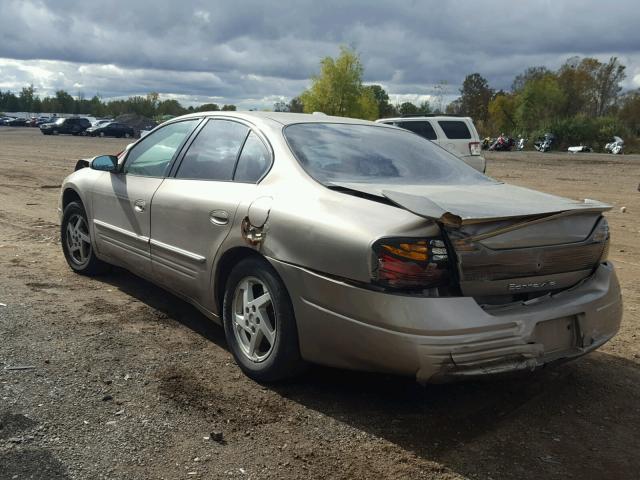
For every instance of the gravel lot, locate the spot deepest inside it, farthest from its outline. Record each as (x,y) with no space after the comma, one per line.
(128,382)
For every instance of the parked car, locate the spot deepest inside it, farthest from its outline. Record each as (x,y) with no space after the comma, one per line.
(458,135)
(346,243)
(111,129)
(5,120)
(102,121)
(17,122)
(37,121)
(73,126)
(43,120)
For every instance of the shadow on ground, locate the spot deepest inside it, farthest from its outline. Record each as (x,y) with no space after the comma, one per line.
(579,420)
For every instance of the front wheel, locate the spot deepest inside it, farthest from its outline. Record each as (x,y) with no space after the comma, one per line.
(76,242)
(259,323)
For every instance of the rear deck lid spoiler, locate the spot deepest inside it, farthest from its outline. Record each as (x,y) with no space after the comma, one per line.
(456,205)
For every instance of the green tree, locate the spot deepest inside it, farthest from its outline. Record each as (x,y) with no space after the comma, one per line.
(408,108)
(475,96)
(385,109)
(64,102)
(296,105)
(26,99)
(502,112)
(607,80)
(170,107)
(338,89)
(228,108)
(540,102)
(208,107)
(629,112)
(531,73)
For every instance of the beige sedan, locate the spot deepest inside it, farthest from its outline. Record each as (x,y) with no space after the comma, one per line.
(317,239)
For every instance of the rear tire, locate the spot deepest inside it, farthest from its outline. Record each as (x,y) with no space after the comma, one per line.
(259,323)
(75,238)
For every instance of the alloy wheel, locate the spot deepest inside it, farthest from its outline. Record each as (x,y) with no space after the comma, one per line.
(254,320)
(78,240)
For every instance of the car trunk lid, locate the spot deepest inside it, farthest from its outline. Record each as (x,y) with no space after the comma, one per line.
(509,240)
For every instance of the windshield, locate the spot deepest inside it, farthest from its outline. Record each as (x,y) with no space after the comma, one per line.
(59,121)
(334,152)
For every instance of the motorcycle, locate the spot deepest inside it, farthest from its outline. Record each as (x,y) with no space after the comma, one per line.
(615,147)
(502,144)
(543,144)
(487,142)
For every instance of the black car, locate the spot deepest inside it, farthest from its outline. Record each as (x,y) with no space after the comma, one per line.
(17,122)
(74,126)
(112,129)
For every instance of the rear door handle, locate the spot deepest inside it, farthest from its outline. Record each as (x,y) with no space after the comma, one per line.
(219,217)
(139,205)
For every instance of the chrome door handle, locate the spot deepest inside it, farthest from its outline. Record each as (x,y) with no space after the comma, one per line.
(139,205)
(219,217)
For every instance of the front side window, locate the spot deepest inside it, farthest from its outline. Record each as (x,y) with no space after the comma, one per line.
(254,160)
(213,153)
(334,153)
(424,129)
(152,155)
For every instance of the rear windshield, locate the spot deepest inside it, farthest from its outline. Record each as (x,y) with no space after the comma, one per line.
(335,152)
(455,129)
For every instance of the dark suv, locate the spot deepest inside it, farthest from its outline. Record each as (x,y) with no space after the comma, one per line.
(74,126)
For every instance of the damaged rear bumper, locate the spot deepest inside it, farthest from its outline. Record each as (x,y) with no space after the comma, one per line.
(438,339)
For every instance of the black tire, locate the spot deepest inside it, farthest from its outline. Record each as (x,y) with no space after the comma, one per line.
(55,132)
(91,265)
(284,361)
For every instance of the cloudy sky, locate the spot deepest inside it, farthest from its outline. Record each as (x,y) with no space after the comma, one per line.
(252,53)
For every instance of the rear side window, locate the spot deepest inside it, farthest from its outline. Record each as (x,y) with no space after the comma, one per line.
(455,129)
(254,160)
(213,154)
(424,129)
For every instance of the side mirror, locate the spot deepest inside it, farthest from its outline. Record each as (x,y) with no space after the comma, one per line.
(105,163)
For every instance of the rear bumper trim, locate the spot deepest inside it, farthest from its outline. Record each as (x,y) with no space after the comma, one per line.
(436,339)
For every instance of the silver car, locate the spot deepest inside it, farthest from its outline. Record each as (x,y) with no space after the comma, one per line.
(317,239)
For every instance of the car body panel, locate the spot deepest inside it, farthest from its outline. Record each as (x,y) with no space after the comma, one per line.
(189,221)
(443,338)
(121,220)
(320,240)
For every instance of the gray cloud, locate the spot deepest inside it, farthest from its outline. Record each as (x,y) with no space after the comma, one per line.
(251,52)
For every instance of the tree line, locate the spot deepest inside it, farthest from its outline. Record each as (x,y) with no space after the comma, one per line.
(149,105)
(581,102)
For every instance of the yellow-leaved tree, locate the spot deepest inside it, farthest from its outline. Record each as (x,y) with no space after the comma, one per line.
(338,89)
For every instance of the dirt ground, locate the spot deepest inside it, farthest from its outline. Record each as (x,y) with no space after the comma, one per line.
(128,382)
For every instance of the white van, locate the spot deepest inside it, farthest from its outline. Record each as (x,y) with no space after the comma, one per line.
(458,135)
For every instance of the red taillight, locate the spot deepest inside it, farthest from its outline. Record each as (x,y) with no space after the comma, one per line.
(411,263)
(475,148)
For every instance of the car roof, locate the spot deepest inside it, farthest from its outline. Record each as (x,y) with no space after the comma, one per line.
(423,117)
(284,118)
